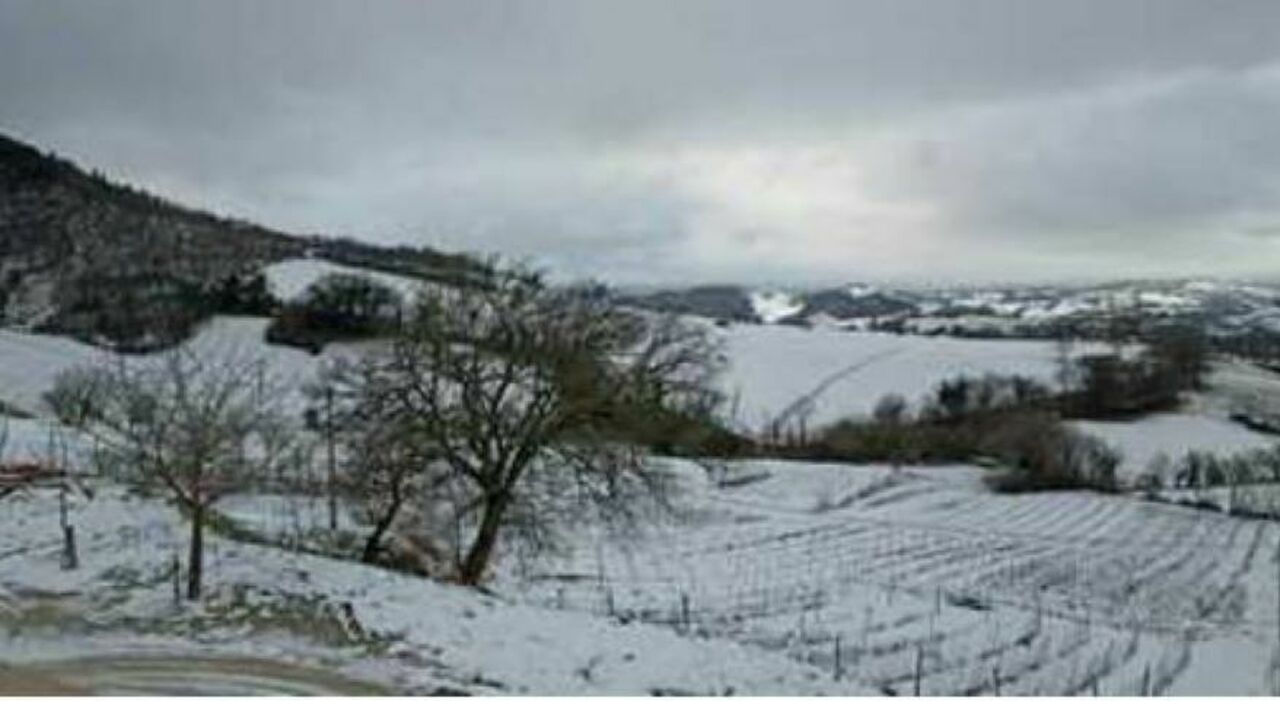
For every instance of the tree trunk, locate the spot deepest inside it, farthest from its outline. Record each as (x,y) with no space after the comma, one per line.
(333,459)
(477,560)
(373,544)
(195,565)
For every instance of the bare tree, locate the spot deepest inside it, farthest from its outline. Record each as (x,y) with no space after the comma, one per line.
(1064,361)
(384,467)
(196,426)
(527,393)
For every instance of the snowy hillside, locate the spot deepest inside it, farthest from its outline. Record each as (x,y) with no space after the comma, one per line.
(769,577)
(1036,311)
(395,633)
(1172,435)
(920,580)
(843,373)
(29,363)
(289,279)
(774,306)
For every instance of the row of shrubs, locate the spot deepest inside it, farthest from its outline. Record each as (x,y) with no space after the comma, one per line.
(1201,469)
(1009,423)
(1015,423)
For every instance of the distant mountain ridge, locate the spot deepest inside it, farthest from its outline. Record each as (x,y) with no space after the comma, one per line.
(115,265)
(1223,309)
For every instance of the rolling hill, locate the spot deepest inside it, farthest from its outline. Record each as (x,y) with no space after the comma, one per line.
(116,266)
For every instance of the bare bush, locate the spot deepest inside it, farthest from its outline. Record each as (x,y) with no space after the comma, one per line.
(1038,453)
(196,427)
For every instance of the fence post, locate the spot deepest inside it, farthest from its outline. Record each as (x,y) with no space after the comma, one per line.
(177,580)
(70,559)
(839,670)
(995,680)
(1146,680)
(919,668)
(684,611)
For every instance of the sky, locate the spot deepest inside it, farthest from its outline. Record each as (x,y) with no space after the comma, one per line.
(679,141)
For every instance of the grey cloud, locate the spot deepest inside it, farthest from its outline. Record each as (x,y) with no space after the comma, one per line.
(1158,168)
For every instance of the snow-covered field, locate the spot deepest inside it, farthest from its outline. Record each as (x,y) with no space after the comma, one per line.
(29,363)
(844,373)
(770,577)
(1142,440)
(289,279)
(401,632)
(1065,593)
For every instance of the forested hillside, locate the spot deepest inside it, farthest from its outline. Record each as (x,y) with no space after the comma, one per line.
(114,265)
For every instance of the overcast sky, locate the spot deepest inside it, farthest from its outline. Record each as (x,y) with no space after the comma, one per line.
(647,141)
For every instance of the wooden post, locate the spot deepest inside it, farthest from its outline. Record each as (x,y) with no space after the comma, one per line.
(684,611)
(919,668)
(839,671)
(176,568)
(1146,680)
(70,558)
(995,680)
(333,456)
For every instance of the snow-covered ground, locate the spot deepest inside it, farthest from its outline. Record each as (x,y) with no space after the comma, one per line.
(767,573)
(845,372)
(1173,435)
(1240,386)
(1060,593)
(770,577)
(774,306)
(29,363)
(1046,594)
(401,632)
(289,279)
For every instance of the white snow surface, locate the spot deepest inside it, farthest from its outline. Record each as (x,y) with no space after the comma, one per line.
(846,372)
(1057,593)
(289,279)
(29,363)
(762,572)
(774,306)
(1174,435)
(440,636)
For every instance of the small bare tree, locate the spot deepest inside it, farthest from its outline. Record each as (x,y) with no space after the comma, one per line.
(196,426)
(517,386)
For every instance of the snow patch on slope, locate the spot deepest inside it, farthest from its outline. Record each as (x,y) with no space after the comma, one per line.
(1174,435)
(289,280)
(772,306)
